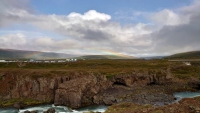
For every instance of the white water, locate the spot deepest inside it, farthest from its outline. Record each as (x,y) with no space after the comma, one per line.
(59,109)
(181,95)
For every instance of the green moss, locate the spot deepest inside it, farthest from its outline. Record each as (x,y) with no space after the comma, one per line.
(25,101)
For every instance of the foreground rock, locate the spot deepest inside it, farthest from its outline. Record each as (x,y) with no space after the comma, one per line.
(189,105)
(154,95)
(76,90)
(30,111)
(50,110)
(79,92)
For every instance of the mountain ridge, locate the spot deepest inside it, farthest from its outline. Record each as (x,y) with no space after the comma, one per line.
(26,54)
(185,55)
(105,57)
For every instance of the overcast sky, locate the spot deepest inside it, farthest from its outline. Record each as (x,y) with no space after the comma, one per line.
(130,27)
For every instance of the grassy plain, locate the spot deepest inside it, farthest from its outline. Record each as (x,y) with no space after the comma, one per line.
(104,67)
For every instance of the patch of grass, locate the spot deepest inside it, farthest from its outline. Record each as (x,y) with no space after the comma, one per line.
(108,68)
(185,72)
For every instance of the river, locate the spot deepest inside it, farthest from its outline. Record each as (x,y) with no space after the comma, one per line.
(59,109)
(95,108)
(181,95)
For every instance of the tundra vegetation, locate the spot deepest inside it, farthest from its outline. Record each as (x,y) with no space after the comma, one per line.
(107,68)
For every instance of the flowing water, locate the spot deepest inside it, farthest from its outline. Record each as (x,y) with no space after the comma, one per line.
(59,109)
(181,95)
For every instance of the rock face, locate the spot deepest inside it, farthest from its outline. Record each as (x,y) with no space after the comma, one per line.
(79,92)
(73,91)
(82,89)
(41,89)
(140,79)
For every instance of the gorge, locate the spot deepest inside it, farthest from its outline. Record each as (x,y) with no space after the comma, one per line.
(85,89)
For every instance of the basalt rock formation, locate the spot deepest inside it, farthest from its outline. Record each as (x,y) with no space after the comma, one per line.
(82,89)
(73,91)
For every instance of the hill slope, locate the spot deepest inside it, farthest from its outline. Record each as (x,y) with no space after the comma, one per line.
(21,54)
(105,57)
(186,55)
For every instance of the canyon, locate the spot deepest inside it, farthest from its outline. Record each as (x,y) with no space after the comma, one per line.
(80,89)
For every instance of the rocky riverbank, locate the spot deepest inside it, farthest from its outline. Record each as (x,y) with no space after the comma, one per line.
(187,105)
(81,89)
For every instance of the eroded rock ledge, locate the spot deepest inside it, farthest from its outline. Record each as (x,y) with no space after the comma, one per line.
(83,89)
(187,105)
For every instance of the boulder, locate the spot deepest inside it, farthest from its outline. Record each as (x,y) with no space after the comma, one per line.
(19,105)
(27,111)
(70,93)
(50,110)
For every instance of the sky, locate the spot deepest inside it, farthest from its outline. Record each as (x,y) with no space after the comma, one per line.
(138,28)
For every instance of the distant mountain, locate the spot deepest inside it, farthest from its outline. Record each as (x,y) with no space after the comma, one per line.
(152,57)
(186,55)
(105,57)
(21,54)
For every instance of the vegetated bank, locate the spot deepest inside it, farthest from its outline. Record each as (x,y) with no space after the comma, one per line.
(89,82)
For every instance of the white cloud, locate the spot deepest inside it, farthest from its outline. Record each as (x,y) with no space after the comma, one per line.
(167,17)
(90,15)
(12,40)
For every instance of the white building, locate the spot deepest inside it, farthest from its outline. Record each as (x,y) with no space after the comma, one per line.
(53,61)
(2,60)
(31,60)
(46,61)
(61,61)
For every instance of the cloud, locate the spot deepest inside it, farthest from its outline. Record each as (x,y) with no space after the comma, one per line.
(12,10)
(90,15)
(170,31)
(12,40)
(181,38)
(166,17)
(23,42)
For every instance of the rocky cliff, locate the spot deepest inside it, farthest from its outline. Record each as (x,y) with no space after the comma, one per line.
(73,91)
(81,89)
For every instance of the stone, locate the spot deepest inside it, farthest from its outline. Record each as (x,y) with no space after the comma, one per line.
(51,110)
(27,111)
(19,105)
